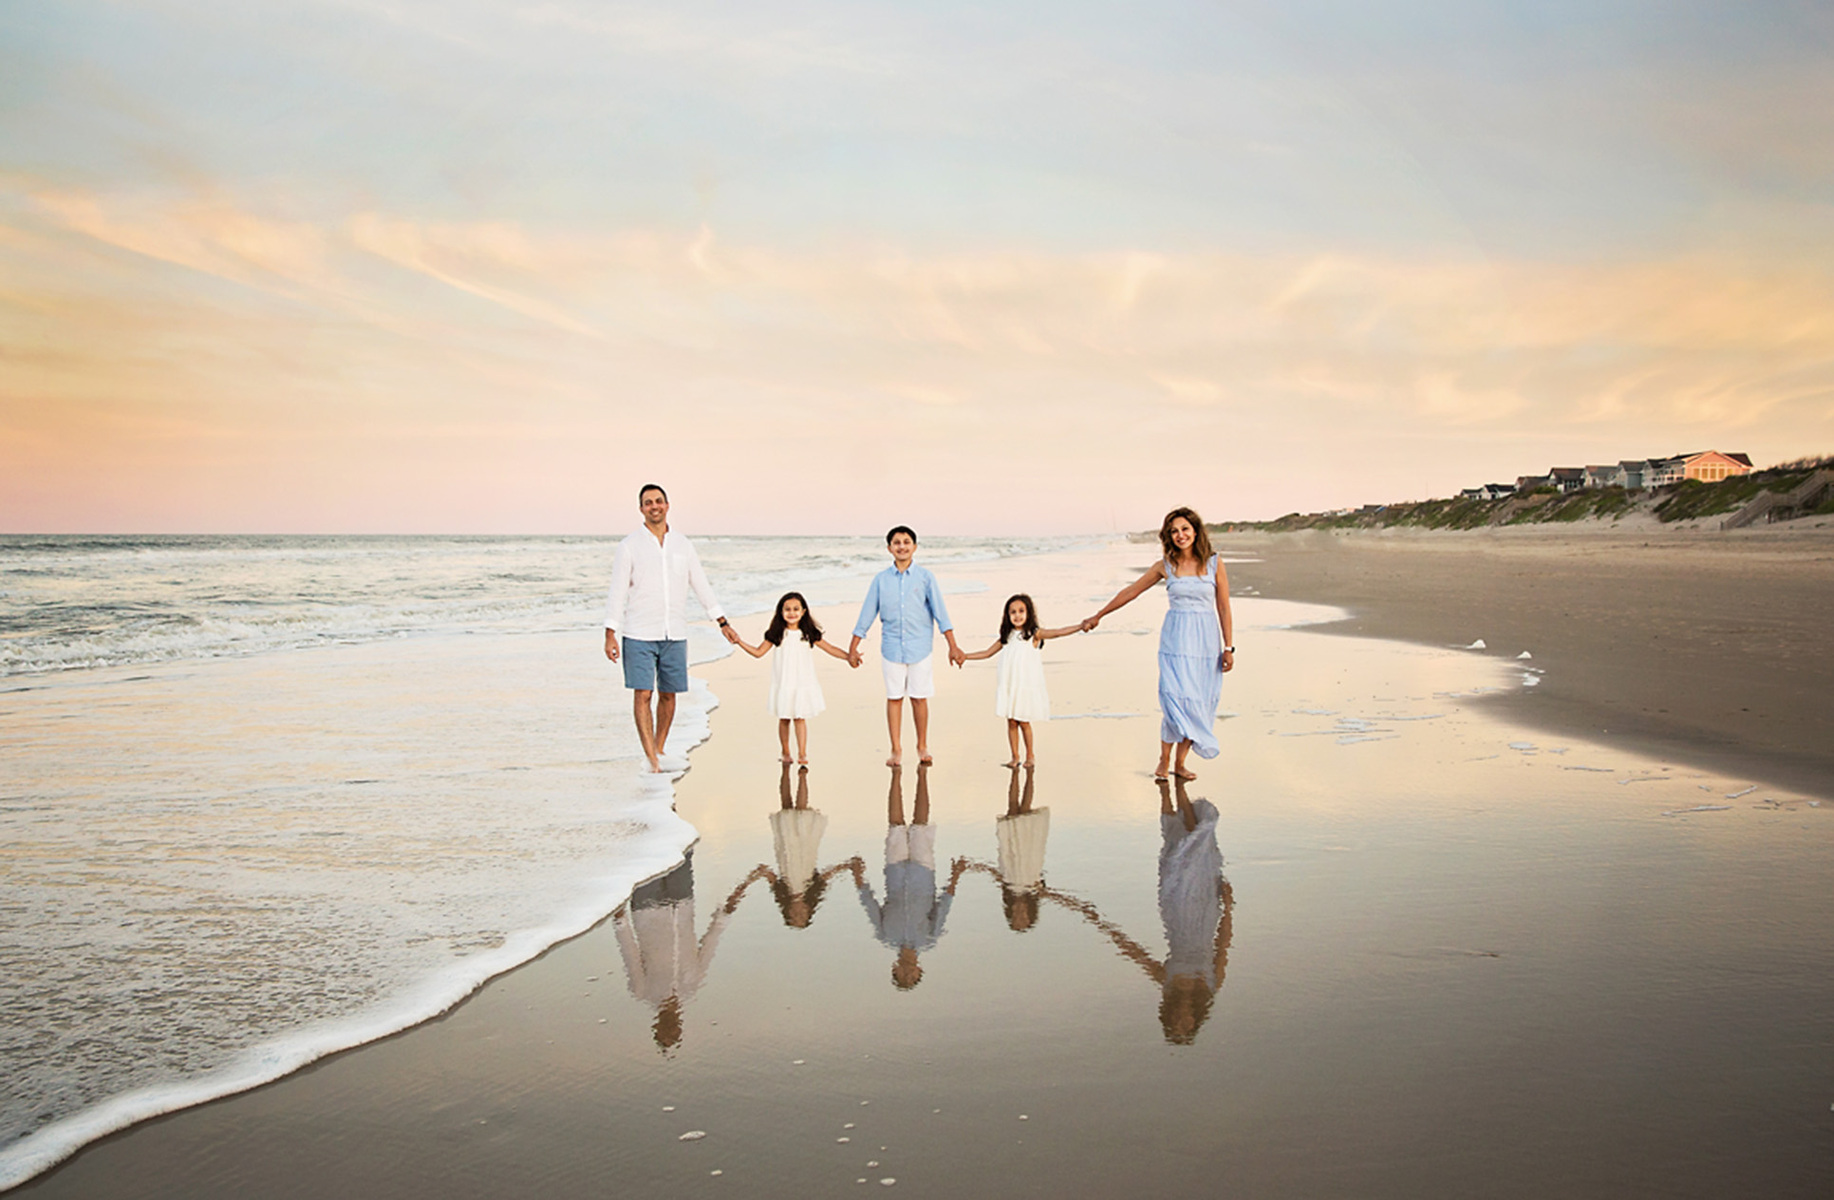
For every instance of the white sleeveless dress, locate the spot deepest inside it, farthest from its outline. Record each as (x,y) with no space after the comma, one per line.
(1019,695)
(795,692)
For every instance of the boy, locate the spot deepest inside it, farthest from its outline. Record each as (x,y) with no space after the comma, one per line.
(907,601)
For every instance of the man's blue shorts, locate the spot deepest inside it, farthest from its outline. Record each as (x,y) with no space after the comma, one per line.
(655,666)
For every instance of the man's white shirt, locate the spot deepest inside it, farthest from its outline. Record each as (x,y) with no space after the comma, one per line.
(650,581)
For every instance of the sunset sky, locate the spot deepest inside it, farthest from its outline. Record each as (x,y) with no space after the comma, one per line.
(443,265)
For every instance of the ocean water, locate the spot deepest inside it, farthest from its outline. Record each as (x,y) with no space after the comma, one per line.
(267,798)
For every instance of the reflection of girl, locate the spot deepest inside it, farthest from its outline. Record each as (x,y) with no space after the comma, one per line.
(1020,834)
(1192,655)
(796,829)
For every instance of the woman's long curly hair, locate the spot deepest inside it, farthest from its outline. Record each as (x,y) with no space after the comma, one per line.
(1200,545)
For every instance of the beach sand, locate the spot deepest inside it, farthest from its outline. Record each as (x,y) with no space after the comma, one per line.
(1451,958)
(1696,646)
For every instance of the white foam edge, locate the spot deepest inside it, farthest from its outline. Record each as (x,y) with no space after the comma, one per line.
(659,849)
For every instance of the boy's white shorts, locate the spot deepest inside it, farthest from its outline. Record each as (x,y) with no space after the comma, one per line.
(911,843)
(914,681)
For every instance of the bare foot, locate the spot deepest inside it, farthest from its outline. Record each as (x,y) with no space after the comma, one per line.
(802,762)
(1030,763)
(894,761)
(923,758)
(1011,762)
(785,760)
(1185,774)
(1162,773)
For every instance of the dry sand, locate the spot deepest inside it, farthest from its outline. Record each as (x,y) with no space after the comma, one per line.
(1715,649)
(1456,963)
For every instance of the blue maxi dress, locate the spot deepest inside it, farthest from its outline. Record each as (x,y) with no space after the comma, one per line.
(1190,661)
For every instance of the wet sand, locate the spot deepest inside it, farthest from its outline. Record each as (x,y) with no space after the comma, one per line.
(1445,957)
(1694,646)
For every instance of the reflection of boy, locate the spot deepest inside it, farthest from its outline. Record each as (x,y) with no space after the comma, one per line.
(911,918)
(663,963)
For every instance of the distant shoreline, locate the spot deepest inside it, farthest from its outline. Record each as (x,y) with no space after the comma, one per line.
(1803,490)
(1700,646)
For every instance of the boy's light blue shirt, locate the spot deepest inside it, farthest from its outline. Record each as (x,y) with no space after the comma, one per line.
(906,603)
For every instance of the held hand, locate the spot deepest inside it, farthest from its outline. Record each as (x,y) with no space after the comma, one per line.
(956,656)
(732,635)
(855,659)
(1090,623)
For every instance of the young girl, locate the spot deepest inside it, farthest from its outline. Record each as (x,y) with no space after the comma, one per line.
(1019,695)
(795,694)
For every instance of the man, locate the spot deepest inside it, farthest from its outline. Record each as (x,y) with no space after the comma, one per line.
(648,602)
(906,600)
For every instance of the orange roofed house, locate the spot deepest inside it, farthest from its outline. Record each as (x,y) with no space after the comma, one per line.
(1708,466)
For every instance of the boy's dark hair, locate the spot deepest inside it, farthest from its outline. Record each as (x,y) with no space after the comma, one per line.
(898,529)
(1030,628)
(811,632)
(650,487)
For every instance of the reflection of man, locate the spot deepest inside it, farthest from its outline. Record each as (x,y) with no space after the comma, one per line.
(911,918)
(648,602)
(663,963)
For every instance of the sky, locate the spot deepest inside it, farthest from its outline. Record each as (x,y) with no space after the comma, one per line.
(819,267)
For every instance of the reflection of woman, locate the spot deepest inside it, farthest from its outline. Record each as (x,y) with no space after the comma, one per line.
(798,883)
(1196,905)
(1192,655)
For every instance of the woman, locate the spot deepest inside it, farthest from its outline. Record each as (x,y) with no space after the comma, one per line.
(1192,655)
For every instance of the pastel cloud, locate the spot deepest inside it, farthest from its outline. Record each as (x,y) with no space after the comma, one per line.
(649,333)
(466,265)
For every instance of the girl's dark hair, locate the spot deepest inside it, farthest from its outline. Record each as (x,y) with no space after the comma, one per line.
(811,632)
(1021,909)
(811,897)
(1030,628)
(1200,545)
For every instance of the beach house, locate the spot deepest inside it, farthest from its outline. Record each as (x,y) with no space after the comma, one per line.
(1567,479)
(1708,466)
(1631,472)
(1711,466)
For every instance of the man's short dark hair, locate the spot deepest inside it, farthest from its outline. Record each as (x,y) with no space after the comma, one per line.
(650,487)
(898,529)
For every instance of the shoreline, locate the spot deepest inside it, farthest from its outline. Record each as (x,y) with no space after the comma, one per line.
(1423,953)
(651,838)
(1707,648)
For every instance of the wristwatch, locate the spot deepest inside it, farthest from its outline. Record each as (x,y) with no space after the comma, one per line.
(1228,649)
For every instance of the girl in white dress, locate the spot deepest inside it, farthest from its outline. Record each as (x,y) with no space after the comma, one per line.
(795,693)
(1019,694)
